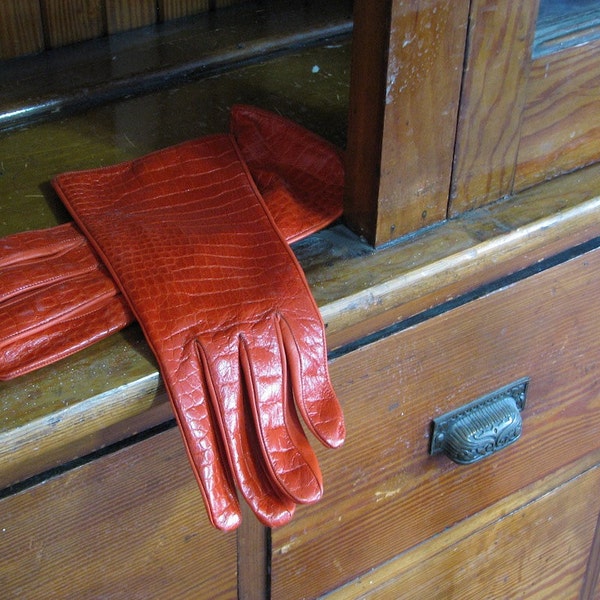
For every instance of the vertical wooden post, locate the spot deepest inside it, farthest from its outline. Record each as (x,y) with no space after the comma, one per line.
(405,86)
(253,551)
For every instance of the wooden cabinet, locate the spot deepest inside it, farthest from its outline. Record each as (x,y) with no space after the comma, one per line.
(478,268)
(527,113)
(395,521)
(497,107)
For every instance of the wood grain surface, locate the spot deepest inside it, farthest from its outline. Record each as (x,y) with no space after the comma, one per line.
(403,116)
(131,524)
(21,29)
(122,15)
(561,124)
(495,562)
(175,9)
(69,21)
(30,26)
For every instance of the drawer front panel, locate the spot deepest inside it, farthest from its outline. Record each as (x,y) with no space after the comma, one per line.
(494,563)
(130,525)
(384,493)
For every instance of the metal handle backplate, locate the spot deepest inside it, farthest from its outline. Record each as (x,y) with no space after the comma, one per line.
(482,427)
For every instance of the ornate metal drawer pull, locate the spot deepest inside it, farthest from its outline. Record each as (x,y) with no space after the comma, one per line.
(482,427)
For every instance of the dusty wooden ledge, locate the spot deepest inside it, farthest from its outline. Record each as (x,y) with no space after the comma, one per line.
(360,291)
(449,260)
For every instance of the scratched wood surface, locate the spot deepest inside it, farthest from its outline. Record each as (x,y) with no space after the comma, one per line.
(493,562)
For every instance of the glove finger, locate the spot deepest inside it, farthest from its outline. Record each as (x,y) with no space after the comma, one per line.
(200,432)
(221,362)
(42,270)
(62,337)
(288,456)
(304,343)
(27,313)
(29,245)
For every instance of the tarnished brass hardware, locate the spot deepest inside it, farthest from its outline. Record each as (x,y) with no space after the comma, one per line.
(482,427)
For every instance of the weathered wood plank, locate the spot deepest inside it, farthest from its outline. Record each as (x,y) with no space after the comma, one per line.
(452,259)
(412,560)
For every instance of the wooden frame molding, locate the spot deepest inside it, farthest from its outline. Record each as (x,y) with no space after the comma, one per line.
(493,98)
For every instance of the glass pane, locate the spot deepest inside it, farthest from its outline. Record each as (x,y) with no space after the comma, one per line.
(565,23)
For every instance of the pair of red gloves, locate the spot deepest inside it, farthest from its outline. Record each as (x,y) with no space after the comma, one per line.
(192,241)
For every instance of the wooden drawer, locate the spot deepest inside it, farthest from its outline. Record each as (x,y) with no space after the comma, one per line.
(384,493)
(538,551)
(130,525)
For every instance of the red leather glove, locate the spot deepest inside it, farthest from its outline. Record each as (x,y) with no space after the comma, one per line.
(55,299)
(300,175)
(228,314)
